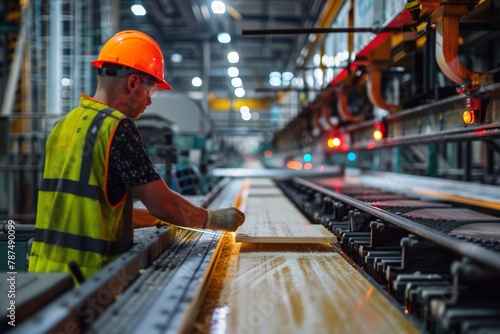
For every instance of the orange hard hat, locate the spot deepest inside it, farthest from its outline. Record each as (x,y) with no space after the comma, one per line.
(134,50)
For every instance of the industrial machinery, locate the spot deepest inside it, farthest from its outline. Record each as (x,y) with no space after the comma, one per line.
(395,151)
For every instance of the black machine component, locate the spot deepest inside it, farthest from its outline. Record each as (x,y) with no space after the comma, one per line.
(432,258)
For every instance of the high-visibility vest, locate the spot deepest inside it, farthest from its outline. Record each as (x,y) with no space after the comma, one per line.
(75,221)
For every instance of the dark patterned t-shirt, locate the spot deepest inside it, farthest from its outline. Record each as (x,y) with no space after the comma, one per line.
(129,164)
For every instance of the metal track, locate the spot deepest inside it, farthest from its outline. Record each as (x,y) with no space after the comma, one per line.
(447,283)
(479,254)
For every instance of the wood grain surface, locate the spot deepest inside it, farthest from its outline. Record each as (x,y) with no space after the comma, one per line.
(290,288)
(276,220)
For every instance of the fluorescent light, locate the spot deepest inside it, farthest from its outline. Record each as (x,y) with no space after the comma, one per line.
(196,82)
(224,37)
(138,10)
(233,57)
(218,7)
(65,82)
(233,72)
(176,57)
(236,82)
(239,92)
(274,75)
(275,81)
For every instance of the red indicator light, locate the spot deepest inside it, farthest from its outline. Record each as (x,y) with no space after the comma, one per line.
(379,132)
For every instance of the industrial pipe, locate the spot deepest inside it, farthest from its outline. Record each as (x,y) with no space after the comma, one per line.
(343,108)
(447,38)
(374,90)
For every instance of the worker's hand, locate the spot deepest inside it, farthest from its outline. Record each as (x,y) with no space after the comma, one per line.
(224,219)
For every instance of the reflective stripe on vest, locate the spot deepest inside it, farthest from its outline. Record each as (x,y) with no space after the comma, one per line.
(79,242)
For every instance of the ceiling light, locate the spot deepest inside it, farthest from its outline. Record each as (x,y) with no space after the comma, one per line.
(316,60)
(236,82)
(176,57)
(224,37)
(233,72)
(218,7)
(233,57)
(287,78)
(239,92)
(196,82)
(246,116)
(65,82)
(138,9)
(275,81)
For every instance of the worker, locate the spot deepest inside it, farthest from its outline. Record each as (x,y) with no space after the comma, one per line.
(96,164)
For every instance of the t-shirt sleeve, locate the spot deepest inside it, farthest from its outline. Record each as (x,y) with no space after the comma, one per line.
(128,158)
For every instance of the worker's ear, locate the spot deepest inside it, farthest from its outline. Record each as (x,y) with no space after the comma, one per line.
(134,81)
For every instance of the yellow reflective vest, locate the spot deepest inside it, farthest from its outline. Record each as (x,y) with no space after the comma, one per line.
(75,221)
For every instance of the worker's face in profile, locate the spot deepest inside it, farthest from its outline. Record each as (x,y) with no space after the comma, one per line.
(142,87)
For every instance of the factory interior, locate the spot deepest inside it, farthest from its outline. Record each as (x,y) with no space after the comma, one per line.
(360,138)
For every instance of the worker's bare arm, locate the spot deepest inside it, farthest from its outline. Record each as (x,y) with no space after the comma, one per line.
(143,218)
(168,205)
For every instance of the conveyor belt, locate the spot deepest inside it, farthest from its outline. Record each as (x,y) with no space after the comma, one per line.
(271,288)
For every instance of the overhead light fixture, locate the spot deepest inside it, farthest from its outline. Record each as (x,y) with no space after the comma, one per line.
(138,9)
(196,82)
(239,92)
(236,82)
(233,72)
(218,7)
(246,116)
(224,38)
(275,81)
(233,57)
(176,57)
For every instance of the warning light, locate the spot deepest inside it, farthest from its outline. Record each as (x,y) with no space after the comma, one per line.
(468,117)
(379,132)
(473,110)
(294,165)
(268,154)
(307,157)
(377,135)
(334,142)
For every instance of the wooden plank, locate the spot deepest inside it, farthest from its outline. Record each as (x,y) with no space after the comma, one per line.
(264,191)
(262,183)
(285,234)
(274,219)
(300,288)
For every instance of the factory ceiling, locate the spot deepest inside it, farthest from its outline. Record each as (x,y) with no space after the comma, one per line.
(189,28)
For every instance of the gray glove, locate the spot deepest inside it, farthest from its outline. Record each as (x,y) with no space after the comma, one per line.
(224,219)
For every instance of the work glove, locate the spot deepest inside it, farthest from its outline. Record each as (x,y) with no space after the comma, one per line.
(228,219)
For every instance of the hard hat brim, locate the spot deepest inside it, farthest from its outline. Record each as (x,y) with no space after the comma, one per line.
(164,85)
(160,83)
